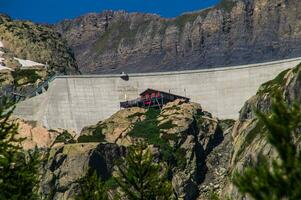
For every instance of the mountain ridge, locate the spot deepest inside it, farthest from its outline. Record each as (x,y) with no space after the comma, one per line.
(230,33)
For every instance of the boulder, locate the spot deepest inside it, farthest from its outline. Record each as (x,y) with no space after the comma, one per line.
(68,163)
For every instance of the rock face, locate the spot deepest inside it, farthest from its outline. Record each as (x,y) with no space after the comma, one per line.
(201,150)
(186,138)
(233,32)
(35,135)
(21,43)
(68,163)
(249,134)
(116,128)
(38,43)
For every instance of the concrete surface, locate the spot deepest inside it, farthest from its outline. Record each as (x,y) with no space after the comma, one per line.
(73,102)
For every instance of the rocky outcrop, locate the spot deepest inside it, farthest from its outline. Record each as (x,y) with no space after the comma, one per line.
(67,164)
(35,135)
(230,33)
(38,43)
(186,138)
(114,129)
(201,151)
(22,43)
(249,133)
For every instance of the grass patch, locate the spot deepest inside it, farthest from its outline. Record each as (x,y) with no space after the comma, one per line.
(148,128)
(65,138)
(96,136)
(167,125)
(258,129)
(273,84)
(25,76)
(111,183)
(150,131)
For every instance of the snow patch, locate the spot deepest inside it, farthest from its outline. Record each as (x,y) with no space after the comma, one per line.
(29,63)
(2,66)
(5,68)
(24,63)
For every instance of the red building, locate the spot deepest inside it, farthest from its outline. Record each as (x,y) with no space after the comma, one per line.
(152,98)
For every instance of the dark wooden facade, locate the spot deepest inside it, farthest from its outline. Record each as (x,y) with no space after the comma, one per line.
(152,98)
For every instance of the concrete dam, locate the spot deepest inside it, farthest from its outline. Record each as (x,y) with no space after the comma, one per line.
(73,102)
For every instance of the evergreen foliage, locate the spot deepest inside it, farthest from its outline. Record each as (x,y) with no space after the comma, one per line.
(149,130)
(281,177)
(92,188)
(140,178)
(18,169)
(65,138)
(97,136)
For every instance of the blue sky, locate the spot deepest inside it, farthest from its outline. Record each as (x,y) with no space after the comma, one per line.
(50,11)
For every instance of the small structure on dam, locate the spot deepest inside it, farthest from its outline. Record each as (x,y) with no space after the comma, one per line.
(152,98)
(76,101)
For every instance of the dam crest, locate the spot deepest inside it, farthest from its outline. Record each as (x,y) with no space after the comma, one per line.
(76,101)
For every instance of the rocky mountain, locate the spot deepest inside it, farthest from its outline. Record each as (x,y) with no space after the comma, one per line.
(39,43)
(230,33)
(30,54)
(182,135)
(248,133)
(202,151)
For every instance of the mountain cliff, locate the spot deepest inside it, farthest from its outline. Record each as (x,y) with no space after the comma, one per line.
(232,32)
(195,145)
(29,54)
(27,40)
(201,151)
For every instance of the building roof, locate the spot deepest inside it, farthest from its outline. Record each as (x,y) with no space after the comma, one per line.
(149,90)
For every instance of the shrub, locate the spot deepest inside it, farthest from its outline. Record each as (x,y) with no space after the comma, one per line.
(65,138)
(140,178)
(277,178)
(96,136)
(18,169)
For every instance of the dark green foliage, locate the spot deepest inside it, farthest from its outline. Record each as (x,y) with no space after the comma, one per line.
(111,183)
(213,196)
(279,178)
(18,169)
(258,129)
(65,137)
(275,84)
(142,179)
(96,136)
(92,188)
(149,130)
(30,75)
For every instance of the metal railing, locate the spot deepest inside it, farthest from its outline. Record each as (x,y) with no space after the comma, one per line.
(40,89)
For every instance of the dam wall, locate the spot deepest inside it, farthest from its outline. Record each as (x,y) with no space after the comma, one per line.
(73,102)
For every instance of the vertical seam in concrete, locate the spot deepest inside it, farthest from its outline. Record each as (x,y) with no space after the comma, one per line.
(70,103)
